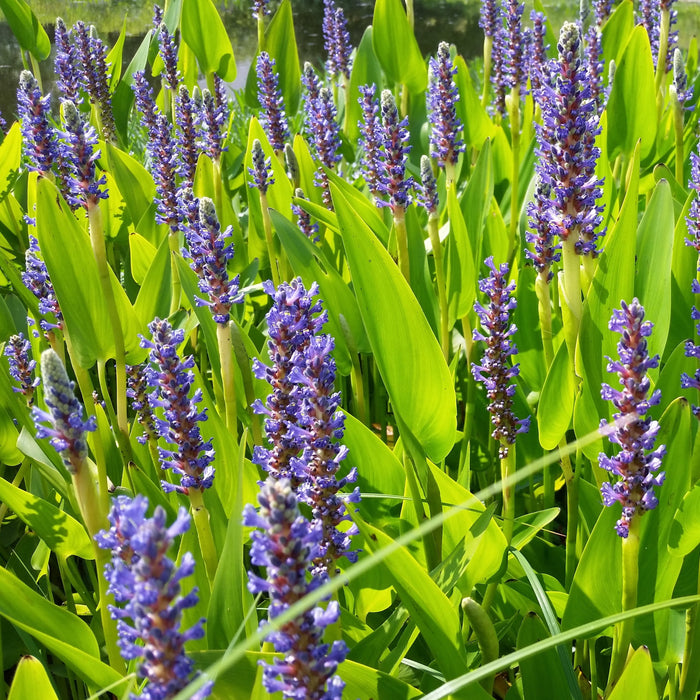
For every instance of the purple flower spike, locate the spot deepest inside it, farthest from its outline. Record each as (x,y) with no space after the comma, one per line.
(157,16)
(144,101)
(693,218)
(371,141)
(595,66)
(499,79)
(680,79)
(260,8)
(306,226)
(21,367)
(273,116)
(396,150)
(261,172)
(601,11)
(66,428)
(172,380)
(137,391)
(445,141)
(637,460)
(168,52)
(428,194)
(36,279)
(40,143)
(336,41)
(495,372)
(292,321)
(85,189)
(541,235)
(321,116)
(567,150)
(209,253)
(514,46)
(145,583)
(693,350)
(214,118)
(65,63)
(163,156)
(539,72)
(490,17)
(185,136)
(285,544)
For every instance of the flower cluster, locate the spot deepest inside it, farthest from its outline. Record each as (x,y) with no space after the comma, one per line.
(370,140)
(261,172)
(65,64)
(306,226)
(495,372)
(322,125)
(601,11)
(146,584)
(273,116)
(260,8)
(36,279)
(683,93)
(490,17)
(595,65)
(567,151)
(209,252)
(21,367)
(137,390)
(186,117)
(285,543)
(428,194)
(514,43)
(638,460)
(396,149)
(336,41)
(214,117)
(39,139)
(541,235)
(445,126)
(172,380)
(168,52)
(66,429)
(538,52)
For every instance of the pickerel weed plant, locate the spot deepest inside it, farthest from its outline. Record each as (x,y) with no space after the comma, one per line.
(369,376)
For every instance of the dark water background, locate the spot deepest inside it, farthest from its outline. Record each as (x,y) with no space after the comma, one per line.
(454,21)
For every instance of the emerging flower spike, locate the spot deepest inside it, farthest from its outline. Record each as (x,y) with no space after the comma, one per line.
(428,194)
(291,164)
(168,52)
(306,226)
(495,373)
(261,172)
(186,136)
(396,150)
(145,583)
(336,41)
(567,150)
(285,544)
(445,126)
(85,189)
(36,279)
(637,461)
(39,140)
(21,367)
(66,429)
(273,116)
(65,64)
(172,380)
(209,253)
(371,141)
(137,391)
(260,8)
(679,86)
(292,322)
(157,16)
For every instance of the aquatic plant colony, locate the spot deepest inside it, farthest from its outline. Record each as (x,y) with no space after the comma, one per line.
(377,379)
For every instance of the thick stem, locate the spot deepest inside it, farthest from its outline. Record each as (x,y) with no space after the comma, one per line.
(261,33)
(630,578)
(572,482)
(544,309)
(174,245)
(488,48)
(678,129)
(200,515)
(664,27)
(441,285)
(515,172)
(358,388)
(508,491)
(267,225)
(228,376)
(402,243)
(571,293)
(100,253)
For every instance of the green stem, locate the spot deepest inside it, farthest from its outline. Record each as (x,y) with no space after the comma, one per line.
(690,672)
(515,173)
(678,129)
(508,490)
(441,285)
(544,309)
(21,473)
(267,225)
(174,245)
(570,298)
(261,34)
(630,578)
(402,243)
(200,515)
(485,634)
(228,376)
(410,13)
(572,482)
(100,253)
(244,363)
(664,26)
(488,49)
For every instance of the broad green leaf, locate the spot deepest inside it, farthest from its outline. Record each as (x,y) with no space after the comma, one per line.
(61,632)
(10,155)
(404,346)
(141,254)
(114,58)
(542,675)
(396,47)
(476,200)
(204,32)
(31,681)
(616,32)
(632,104)
(27,28)
(9,454)
(638,679)
(154,296)
(556,401)
(477,125)
(134,181)
(123,96)
(685,530)
(365,71)
(62,533)
(652,283)
(459,262)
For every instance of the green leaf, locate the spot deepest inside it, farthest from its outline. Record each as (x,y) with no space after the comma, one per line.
(27,28)
(476,200)
(114,58)
(10,155)
(134,181)
(396,47)
(556,401)
(62,533)
(617,31)
(685,530)
(477,125)
(637,680)
(459,261)
(404,346)
(632,104)
(652,284)
(61,632)
(204,32)
(31,681)
(154,296)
